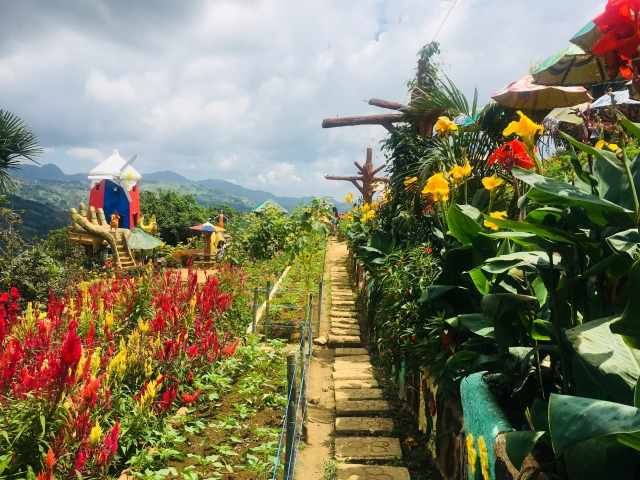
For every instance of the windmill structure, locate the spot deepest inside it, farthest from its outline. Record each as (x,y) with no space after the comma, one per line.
(367,176)
(115,187)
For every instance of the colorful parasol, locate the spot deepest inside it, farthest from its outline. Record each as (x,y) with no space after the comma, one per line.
(571,66)
(524,94)
(207,227)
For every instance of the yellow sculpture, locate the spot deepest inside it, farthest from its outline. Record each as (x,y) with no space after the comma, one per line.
(151,228)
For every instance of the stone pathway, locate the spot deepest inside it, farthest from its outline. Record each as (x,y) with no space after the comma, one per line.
(359,435)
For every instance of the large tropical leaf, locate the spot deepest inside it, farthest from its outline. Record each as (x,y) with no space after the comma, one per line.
(628,325)
(607,358)
(519,444)
(573,420)
(553,192)
(466,230)
(17,143)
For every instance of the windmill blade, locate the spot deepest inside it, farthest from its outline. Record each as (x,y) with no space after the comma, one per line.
(126,192)
(126,165)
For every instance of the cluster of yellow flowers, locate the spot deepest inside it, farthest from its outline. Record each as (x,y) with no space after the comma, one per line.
(499,216)
(349,197)
(444,126)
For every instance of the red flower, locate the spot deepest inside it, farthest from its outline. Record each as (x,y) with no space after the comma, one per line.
(71,349)
(4,297)
(189,399)
(446,338)
(193,351)
(189,379)
(620,24)
(14,293)
(512,154)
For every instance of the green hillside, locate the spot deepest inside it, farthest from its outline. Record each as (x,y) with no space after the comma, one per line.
(64,194)
(38,218)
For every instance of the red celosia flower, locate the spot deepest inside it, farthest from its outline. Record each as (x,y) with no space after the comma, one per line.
(512,154)
(189,399)
(189,378)
(15,295)
(193,351)
(168,397)
(620,24)
(71,349)
(106,454)
(4,297)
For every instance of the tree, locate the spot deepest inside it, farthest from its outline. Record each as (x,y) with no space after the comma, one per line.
(175,213)
(17,142)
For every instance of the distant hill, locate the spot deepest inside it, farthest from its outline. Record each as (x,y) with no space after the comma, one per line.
(207,192)
(38,219)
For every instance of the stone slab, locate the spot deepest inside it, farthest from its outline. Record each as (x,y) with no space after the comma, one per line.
(347,314)
(354,394)
(342,384)
(347,352)
(363,449)
(353,375)
(348,320)
(350,303)
(342,292)
(352,358)
(347,325)
(344,340)
(363,425)
(352,366)
(361,407)
(344,331)
(371,472)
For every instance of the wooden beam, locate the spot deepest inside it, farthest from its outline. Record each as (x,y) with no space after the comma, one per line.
(359,168)
(376,102)
(387,118)
(350,178)
(380,179)
(389,126)
(378,169)
(358,187)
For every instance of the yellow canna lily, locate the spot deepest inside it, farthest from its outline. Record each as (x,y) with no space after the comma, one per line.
(348,199)
(525,128)
(499,216)
(491,183)
(409,181)
(611,146)
(444,126)
(437,186)
(459,173)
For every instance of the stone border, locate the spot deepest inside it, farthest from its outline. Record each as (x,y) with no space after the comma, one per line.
(271,295)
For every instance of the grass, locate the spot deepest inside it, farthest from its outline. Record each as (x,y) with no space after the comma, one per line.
(329,470)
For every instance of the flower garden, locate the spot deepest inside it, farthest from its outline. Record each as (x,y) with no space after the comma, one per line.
(151,373)
(491,252)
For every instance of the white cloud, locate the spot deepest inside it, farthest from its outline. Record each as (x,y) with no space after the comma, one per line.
(231,89)
(91,154)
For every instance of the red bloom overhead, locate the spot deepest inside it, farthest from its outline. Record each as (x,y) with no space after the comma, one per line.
(512,154)
(620,24)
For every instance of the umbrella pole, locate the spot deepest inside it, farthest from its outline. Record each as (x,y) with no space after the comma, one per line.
(207,246)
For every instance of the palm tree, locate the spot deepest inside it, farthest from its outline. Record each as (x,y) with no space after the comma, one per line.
(17,142)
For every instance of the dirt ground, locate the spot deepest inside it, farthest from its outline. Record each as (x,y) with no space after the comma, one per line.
(321,409)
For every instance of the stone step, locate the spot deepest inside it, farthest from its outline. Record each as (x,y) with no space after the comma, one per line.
(371,472)
(363,425)
(343,314)
(344,331)
(343,303)
(363,449)
(342,294)
(344,340)
(342,384)
(351,366)
(351,394)
(361,407)
(352,358)
(348,352)
(343,323)
(353,375)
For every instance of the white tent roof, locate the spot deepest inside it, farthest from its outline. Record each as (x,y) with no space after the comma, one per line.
(111,167)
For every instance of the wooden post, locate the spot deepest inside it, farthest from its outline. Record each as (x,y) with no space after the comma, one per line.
(266,312)
(290,432)
(367,177)
(256,299)
(207,246)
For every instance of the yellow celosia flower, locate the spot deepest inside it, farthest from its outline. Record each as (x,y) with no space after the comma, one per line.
(95,362)
(409,181)
(491,183)
(484,458)
(143,326)
(471,453)
(499,216)
(95,436)
(109,320)
(525,128)
(444,126)
(438,186)
(459,173)
(611,146)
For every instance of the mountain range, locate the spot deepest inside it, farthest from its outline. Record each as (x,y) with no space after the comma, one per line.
(49,184)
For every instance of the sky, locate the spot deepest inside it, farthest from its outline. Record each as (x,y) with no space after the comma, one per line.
(237,90)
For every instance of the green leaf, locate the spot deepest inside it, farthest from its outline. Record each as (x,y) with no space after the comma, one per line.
(628,325)
(479,280)
(458,297)
(613,267)
(573,420)
(539,331)
(636,396)
(606,357)
(478,324)
(519,444)
(533,260)
(467,231)
(625,242)
(586,385)
(380,242)
(553,192)
(608,155)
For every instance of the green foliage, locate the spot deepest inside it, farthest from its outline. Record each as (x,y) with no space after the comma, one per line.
(17,142)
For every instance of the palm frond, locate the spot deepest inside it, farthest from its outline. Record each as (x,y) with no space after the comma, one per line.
(17,143)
